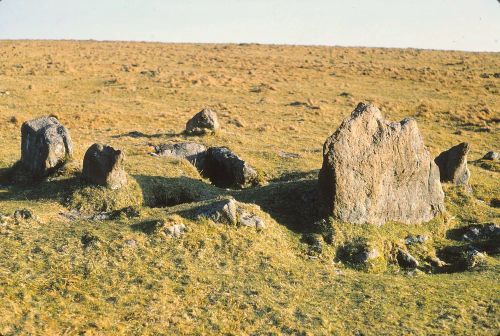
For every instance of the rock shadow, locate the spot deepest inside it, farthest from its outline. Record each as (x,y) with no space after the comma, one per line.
(294,204)
(137,134)
(52,189)
(159,191)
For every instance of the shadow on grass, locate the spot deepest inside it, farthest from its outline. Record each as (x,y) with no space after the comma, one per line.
(159,191)
(53,189)
(137,134)
(294,204)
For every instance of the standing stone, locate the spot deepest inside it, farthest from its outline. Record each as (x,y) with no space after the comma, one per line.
(225,169)
(45,146)
(203,122)
(103,165)
(453,164)
(376,171)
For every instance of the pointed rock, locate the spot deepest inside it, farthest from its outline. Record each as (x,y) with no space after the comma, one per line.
(376,171)
(453,164)
(203,122)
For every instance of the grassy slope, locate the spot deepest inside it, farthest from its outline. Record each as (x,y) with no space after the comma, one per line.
(227,280)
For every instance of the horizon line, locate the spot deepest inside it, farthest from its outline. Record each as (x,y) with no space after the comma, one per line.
(239,43)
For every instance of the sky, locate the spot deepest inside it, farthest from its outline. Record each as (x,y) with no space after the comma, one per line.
(472,25)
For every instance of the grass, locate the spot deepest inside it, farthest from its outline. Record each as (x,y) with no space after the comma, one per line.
(61,275)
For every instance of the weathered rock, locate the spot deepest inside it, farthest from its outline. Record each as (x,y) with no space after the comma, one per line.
(362,253)
(223,211)
(103,165)
(175,231)
(203,122)
(249,219)
(194,152)
(406,260)
(376,171)
(453,164)
(45,146)
(225,169)
(229,211)
(491,155)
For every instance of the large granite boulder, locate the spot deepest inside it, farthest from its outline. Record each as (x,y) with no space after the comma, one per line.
(45,146)
(103,166)
(225,169)
(193,152)
(203,122)
(376,171)
(453,164)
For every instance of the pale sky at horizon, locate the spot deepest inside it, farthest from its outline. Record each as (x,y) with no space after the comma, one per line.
(472,25)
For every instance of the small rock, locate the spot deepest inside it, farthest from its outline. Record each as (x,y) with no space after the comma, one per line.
(480,232)
(130,242)
(250,220)
(194,152)
(45,146)
(101,216)
(453,164)
(436,262)
(491,155)
(474,258)
(224,212)
(406,260)
(419,239)
(103,165)
(23,214)
(225,169)
(175,231)
(203,122)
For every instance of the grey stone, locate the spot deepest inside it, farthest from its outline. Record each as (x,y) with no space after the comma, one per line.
(474,258)
(194,152)
(406,260)
(45,146)
(203,122)
(175,231)
(225,169)
(103,166)
(491,155)
(223,212)
(419,239)
(453,164)
(249,219)
(376,171)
